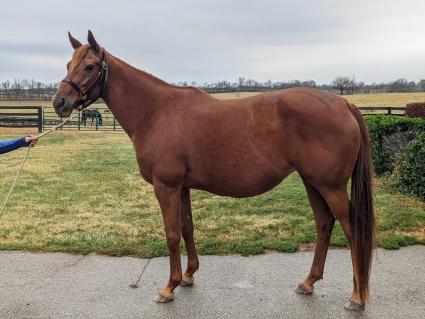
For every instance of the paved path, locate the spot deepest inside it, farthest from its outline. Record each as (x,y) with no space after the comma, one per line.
(71,286)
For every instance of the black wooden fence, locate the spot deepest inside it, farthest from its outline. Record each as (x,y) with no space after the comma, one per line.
(387,110)
(93,119)
(21,117)
(101,118)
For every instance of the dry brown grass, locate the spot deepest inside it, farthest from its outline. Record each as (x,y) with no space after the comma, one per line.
(376,99)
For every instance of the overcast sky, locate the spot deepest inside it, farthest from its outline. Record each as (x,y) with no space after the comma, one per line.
(375,41)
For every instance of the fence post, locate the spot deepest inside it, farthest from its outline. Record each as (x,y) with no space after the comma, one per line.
(97,118)
(114,121)
(44,117)
(79,125)
(39,119)
(389,110)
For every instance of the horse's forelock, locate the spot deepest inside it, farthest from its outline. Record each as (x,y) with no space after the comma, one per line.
(78,55)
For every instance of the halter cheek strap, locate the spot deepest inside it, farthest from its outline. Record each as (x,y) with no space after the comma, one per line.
(101,79)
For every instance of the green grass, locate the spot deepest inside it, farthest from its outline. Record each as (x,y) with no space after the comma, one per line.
(82,193)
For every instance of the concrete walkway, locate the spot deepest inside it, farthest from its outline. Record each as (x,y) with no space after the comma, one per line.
(71,286)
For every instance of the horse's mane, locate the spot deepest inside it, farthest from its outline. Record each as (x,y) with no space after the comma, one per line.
(81,52)
(159,81)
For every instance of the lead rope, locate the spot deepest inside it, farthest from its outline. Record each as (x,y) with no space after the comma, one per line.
(12,187)
(136,284)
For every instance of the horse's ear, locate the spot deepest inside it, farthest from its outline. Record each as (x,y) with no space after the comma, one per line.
(92,41)
(74,42)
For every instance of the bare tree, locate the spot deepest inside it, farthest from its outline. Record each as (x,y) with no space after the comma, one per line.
(269,84)
(6,87)
(251,84)
(341,83)
(16,86)
(353,84)
(241,80)
(421,84)
(309,83)
(400,85)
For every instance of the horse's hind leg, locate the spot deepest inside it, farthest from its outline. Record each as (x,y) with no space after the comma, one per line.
(324,225)
(187,232)
(339,203)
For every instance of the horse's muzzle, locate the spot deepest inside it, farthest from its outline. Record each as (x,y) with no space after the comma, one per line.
(62,106)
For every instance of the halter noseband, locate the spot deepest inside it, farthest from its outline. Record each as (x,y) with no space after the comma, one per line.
(101,79)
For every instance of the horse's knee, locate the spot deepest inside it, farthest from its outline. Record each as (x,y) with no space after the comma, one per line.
(173,241)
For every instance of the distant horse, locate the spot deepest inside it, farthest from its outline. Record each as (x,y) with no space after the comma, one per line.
(184,138)
(93,114)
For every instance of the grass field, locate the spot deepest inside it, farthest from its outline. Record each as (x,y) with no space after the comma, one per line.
(82,193)
(379,99)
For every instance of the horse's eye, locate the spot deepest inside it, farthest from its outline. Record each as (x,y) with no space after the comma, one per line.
(89,68)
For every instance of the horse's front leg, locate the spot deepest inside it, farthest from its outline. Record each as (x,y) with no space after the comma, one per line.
(169,198)
(187,232)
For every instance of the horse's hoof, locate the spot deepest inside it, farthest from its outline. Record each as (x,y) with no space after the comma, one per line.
(187,281)
(163,297)
(353,305)
(303,289)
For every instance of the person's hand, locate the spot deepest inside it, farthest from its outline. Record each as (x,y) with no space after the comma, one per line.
(31,140)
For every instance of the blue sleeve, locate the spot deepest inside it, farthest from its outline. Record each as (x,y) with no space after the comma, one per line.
(10,145)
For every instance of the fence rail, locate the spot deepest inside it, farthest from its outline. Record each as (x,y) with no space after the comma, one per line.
(29,116)
(101,118)
(94,119)
(389,110)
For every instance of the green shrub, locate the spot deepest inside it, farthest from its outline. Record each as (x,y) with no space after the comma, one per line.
(397,241)
(416,110)
(389,136)
(411,174)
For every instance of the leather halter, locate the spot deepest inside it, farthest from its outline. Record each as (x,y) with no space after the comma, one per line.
(101,79)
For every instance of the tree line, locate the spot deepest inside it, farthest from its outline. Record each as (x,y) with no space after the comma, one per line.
(33,90)
(27,90)
(340,85)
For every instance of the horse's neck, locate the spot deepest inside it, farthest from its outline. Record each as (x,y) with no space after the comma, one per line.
(133,95)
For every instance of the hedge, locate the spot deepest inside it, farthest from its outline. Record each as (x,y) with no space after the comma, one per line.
(389,137)
(416,110)
(411,171)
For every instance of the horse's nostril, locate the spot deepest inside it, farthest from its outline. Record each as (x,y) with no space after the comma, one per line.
(62,101)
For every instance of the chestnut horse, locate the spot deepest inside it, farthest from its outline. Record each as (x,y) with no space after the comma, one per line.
(184,138)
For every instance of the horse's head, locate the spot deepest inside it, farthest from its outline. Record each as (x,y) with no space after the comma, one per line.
(86,78)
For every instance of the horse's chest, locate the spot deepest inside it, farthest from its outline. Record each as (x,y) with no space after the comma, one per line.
(145,169)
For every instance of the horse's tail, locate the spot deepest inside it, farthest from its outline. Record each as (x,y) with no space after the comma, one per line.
(362,219)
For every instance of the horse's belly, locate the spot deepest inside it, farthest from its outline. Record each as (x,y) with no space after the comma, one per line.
(244,181)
